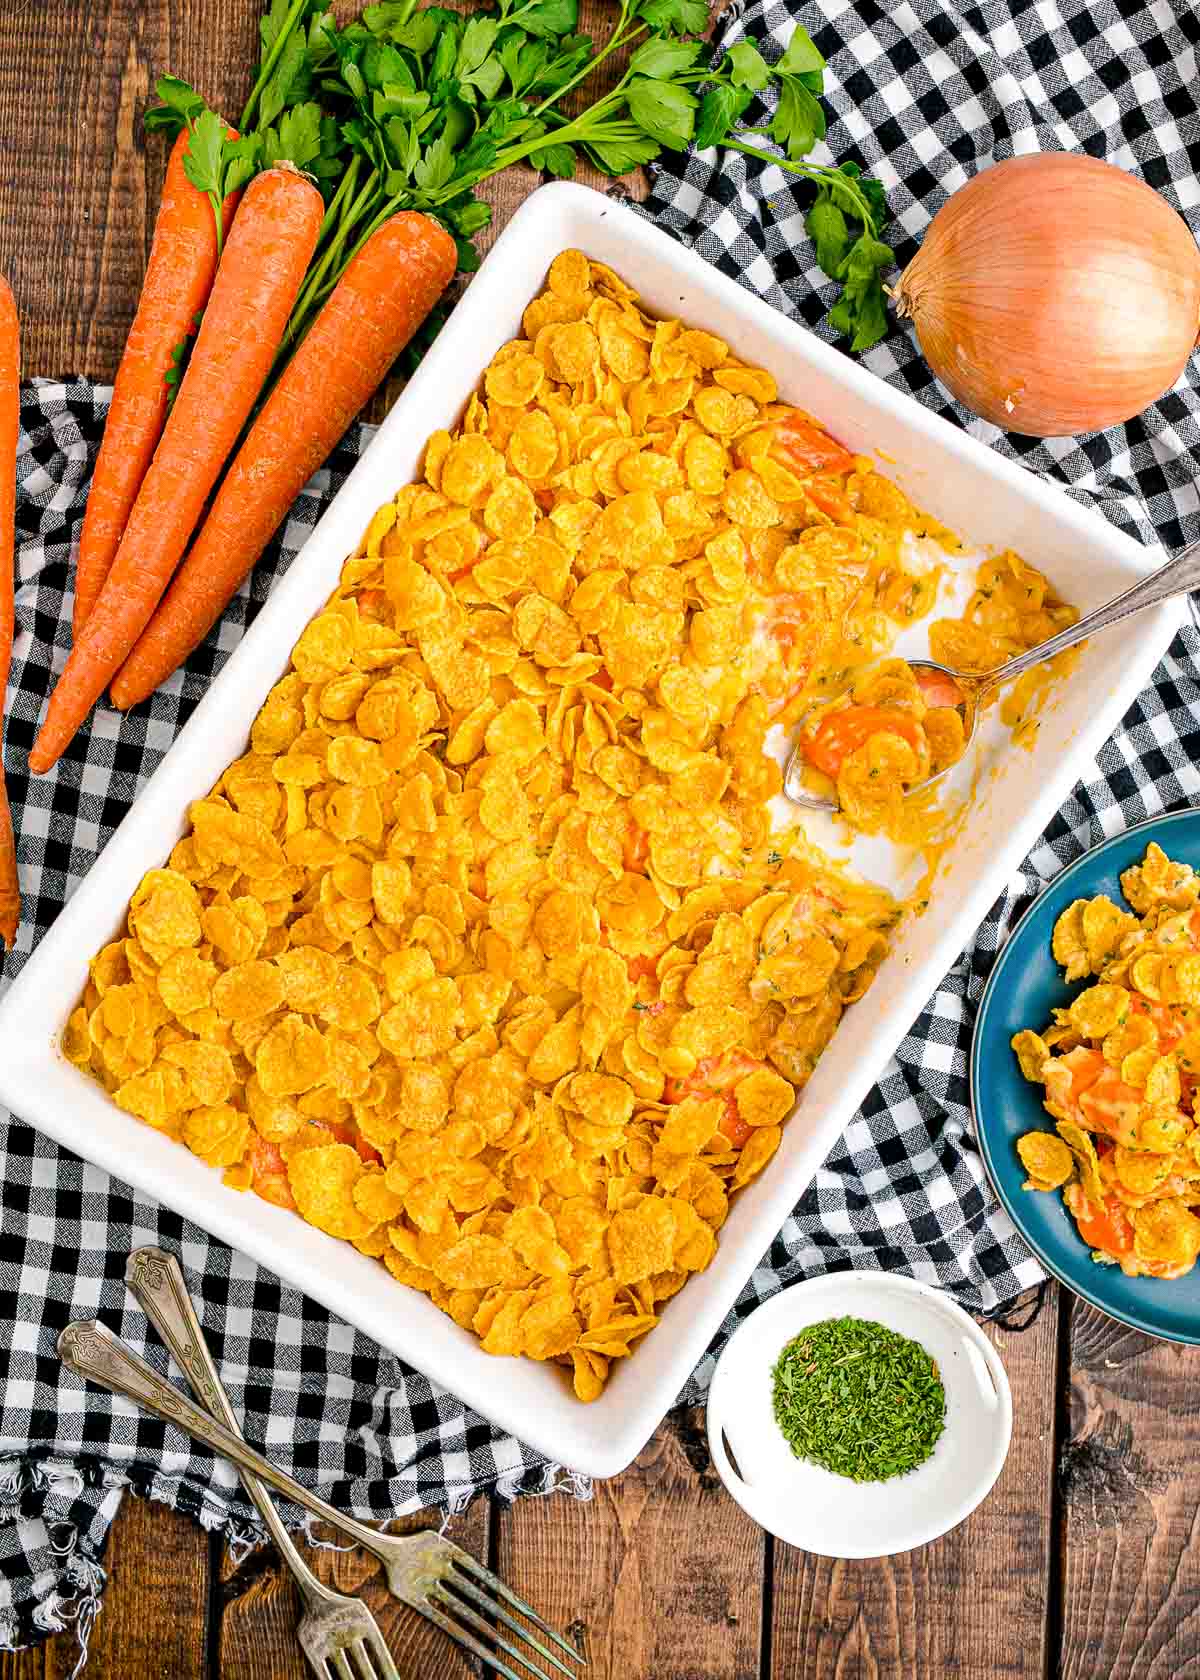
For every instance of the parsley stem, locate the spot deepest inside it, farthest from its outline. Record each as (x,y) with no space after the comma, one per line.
(271,60)
(819,172)
(311,293)
(387,209)
(614,41)
(588,125)
(345,188)
(217,207)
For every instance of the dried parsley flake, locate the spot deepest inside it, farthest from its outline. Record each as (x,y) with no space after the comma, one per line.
(858,1399)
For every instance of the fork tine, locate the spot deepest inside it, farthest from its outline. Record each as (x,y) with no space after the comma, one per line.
(375,1660)
(359,1660)
(457,1608)
(485,1576)
(362,1661)
(468,1641)
(340,1663)
(462,1585)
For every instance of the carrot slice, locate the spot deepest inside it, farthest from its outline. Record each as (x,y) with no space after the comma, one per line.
(716,1076)
(1105,1227)
(812,449)
(268,249)
(10,420)
(179,277)
(842,731)
(635,849)
(384,295)
(937,690)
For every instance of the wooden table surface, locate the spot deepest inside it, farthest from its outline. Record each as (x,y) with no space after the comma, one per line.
(1085,1561)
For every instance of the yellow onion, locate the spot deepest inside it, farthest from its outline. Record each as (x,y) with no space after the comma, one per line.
(1055,294)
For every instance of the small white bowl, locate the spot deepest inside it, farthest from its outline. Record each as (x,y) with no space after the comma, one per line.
(832,1515)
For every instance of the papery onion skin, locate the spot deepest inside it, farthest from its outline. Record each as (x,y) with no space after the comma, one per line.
(1055,295)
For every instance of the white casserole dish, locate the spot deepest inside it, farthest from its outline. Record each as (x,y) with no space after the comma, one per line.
(975,492)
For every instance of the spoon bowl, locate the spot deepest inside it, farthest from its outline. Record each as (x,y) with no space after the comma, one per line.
(967,708)
(1179,576)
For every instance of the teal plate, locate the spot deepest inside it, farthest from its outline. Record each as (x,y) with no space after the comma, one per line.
(1025,985)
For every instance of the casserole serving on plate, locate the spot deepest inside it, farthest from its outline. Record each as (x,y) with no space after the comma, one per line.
(1027,984)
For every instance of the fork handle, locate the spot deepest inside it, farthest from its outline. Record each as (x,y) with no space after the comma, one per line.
(155,1278)
(92,1351)
(1179,576)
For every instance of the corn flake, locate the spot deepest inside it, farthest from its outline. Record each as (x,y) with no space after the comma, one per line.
(323,1181)
(291,1058)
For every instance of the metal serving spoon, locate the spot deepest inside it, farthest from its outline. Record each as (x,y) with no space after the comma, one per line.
(1177,577)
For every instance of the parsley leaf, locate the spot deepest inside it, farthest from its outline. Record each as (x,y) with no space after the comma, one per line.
(826,225)
(477,156)
(434,170)
(354,79)
(674,17)
(240,162)
(384,66)
(470,217)
(664,58)
(419,33)
(299,138)
(479,37)
(523,60)
(387,16)
(801,58)
(278,90)
(557,160)
(180,106)
(617,154)
(487,80)
(861,311)
(216,165)
(205,150)
(458,127)
(396,101)
(799,122)
(747,67)
(445,54)
(173,378)
(181,355)
(720,108)
(549,17)
(868,185)
(665,112)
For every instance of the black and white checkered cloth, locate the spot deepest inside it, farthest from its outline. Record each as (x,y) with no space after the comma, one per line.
(924,93)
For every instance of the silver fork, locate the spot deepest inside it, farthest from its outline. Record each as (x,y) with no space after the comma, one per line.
(425,1571)
(337,1633)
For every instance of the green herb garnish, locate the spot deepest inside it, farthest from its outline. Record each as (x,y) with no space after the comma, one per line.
(858,1399)
(414,108)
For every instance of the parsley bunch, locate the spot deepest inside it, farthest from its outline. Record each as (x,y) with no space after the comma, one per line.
(414,108)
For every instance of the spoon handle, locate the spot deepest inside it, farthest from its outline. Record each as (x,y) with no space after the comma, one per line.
(1177,577)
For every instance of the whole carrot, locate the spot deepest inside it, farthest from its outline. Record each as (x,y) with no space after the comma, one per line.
(179,276)
(384,295)
(268,249)
(10,419)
